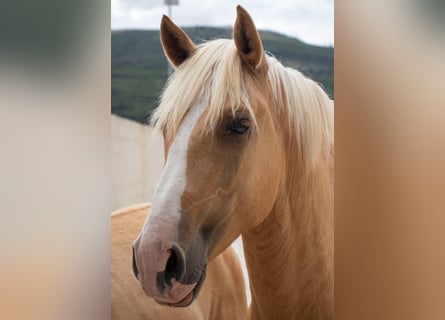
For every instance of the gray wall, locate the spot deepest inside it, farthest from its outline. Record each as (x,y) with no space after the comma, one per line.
(137,157)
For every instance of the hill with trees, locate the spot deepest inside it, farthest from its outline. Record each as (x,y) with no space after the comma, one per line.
(139,67)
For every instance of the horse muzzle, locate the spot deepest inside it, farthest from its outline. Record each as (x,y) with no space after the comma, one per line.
(163,274)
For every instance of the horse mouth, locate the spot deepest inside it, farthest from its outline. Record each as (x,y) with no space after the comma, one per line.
(189,297)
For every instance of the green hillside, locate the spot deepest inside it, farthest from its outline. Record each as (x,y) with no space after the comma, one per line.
(139,68)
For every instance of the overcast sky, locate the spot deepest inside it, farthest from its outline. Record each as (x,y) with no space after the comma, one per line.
(312,21)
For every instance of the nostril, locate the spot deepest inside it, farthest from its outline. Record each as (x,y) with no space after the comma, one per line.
(171,269)
(175,267)
(135,267)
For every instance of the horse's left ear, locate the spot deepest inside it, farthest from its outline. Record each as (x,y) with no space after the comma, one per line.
(176,44)
(247,39)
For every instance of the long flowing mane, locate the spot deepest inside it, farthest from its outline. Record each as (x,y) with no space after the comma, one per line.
(215,73)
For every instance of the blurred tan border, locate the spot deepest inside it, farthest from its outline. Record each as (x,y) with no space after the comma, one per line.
(54,160)
(390,165)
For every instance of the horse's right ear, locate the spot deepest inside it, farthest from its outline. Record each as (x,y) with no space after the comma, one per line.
(177,45)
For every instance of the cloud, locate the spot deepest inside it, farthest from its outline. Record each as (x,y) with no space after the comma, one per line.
(311,21)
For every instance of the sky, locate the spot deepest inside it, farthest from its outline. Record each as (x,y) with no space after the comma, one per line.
(311,21)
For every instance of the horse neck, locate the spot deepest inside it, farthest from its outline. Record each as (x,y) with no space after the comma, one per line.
(289,255)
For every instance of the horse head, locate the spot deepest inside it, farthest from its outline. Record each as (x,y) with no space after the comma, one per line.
(225,158)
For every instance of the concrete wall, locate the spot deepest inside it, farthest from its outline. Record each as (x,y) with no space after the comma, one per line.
(137,158)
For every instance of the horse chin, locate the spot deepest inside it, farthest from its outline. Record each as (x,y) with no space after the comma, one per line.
(185,302)
(189,297)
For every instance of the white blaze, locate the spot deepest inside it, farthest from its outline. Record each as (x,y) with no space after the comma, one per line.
(168,192)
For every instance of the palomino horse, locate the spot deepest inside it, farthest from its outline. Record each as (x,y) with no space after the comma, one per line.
(249,146)
(223,294)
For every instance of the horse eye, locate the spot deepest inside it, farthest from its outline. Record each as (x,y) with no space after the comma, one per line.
(238,126)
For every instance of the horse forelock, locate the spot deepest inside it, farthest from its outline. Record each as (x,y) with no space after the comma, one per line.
(214,75)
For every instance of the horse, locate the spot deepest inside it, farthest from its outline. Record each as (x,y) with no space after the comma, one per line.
(223,294)
(249,151)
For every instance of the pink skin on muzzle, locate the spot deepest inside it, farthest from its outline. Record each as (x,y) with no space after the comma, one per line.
(152,250)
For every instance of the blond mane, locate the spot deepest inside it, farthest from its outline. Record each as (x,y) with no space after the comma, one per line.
(215,73)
